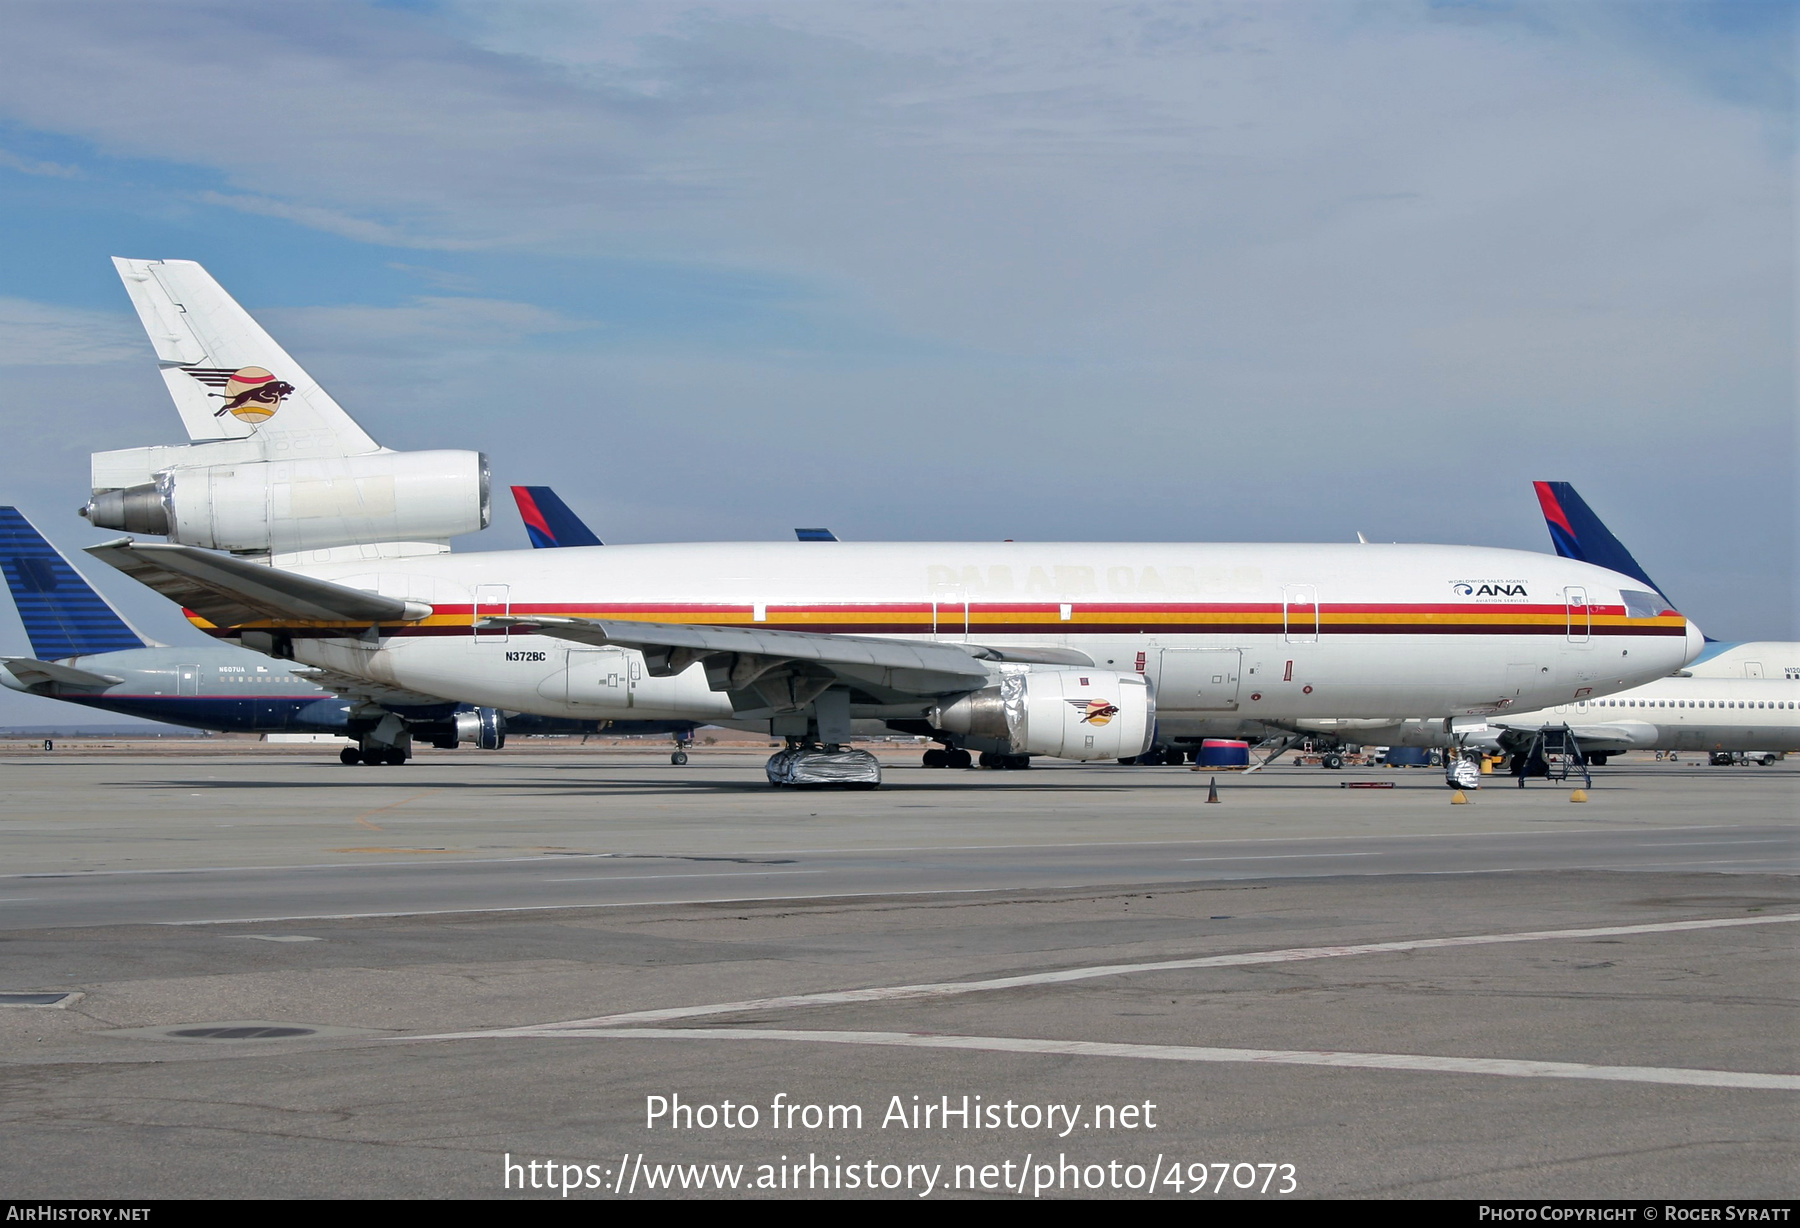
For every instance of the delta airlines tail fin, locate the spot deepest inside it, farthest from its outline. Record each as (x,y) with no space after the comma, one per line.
(228,377)
(1578,534)
(63,615)
(548,520)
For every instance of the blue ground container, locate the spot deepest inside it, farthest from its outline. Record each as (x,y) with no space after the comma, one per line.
(1222,753)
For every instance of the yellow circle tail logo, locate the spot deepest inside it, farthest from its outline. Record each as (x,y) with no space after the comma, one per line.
(253,395)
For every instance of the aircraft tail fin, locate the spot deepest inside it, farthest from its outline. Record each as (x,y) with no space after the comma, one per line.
(548,520)
(63,615)
(228,377)
(815,535)
(1579,534)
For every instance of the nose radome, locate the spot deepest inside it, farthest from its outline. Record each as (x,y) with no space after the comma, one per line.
(1696,641)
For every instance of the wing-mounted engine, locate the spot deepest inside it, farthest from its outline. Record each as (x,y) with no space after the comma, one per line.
(279,507)
(1067,713)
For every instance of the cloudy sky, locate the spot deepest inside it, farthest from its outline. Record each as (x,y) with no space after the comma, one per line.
(973,270)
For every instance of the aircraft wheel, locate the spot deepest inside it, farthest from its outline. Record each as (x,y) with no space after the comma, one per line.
(936,757)
(395,757)
(989,759)
(679,758)
(349,755)
(960,759)
(1334,762)
(1015,762)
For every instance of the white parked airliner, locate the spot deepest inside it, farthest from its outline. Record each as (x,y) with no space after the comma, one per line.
(299,537)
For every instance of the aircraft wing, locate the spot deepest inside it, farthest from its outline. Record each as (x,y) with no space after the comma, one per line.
(1606,736)
(32,673)
(777,666)
(362,690)
(229,591)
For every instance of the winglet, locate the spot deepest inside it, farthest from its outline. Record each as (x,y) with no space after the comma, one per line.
(548,520)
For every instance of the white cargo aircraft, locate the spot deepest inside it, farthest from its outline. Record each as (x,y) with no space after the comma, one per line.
(1075,649)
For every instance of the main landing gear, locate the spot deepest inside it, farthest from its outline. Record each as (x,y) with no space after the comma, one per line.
(391,756)
(682,742)
(948,757)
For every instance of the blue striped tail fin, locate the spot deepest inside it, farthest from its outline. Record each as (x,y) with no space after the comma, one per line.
(63,615)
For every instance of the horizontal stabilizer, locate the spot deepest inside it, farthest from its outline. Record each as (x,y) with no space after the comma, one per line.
(228,591)
(32,673)
(938,667)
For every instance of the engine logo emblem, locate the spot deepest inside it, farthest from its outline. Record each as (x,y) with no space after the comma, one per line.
(1095,711)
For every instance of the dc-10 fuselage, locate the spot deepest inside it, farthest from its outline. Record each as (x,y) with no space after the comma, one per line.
(1278,632)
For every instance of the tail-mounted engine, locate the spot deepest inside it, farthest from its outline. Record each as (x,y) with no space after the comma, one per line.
(277,507)
(1067,713)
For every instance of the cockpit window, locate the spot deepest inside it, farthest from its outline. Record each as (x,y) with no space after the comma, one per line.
(1644,605)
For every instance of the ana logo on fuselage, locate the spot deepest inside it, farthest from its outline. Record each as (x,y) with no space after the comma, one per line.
(1487,588)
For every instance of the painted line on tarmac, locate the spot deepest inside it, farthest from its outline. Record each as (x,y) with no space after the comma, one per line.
(947,989)
(1140,844)
(849,849)
(1681,844)
(1424,1063)
(671,903)
(634,878)
(1280,857)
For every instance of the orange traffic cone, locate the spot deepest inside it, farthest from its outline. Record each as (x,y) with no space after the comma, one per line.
(1212,790)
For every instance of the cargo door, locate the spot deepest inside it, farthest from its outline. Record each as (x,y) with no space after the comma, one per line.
(598,678)
(1198,679)
(1521,680)
(187,680)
